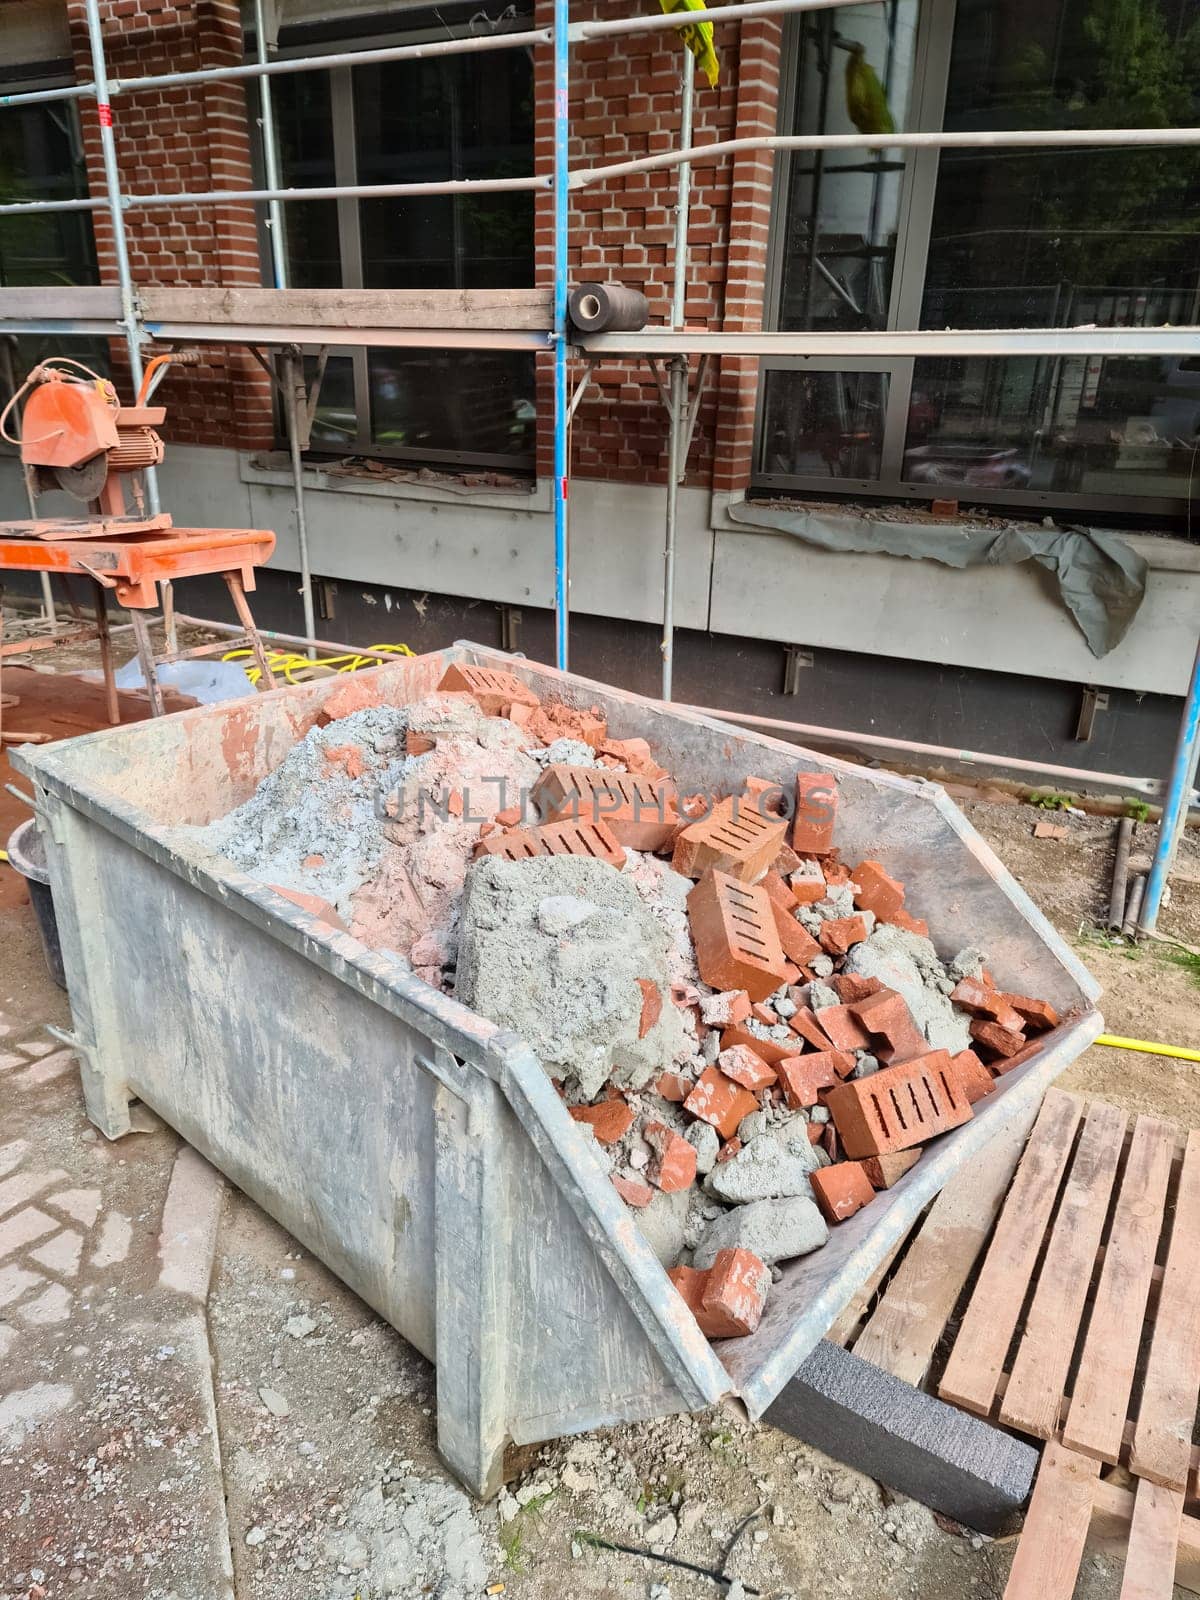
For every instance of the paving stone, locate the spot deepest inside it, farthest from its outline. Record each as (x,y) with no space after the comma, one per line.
(52,1305)
(23,1228)
(116,1232)
(39,1047)
(12,1155)
(21,1189)
(62,1254)
(81,1205)
(8,1061)
(48,1070)
(15,1281)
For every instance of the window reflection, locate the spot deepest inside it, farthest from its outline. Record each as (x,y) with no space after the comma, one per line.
(823,424)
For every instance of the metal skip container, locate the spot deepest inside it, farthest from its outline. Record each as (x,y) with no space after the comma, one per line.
(418,1150)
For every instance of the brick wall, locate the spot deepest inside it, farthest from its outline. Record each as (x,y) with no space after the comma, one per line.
(187,139)
(624,104)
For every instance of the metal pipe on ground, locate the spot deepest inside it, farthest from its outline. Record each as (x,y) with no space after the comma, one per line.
(1133,906)
(1120,879)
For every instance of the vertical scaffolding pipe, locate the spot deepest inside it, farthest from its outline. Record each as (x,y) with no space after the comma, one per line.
(1175,806)
(266,112)
(679,372)
(296,400)
(562,579)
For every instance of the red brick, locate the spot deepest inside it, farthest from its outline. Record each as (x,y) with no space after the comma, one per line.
(313,905)
(554,721)
(808,890)
(509,817)
(887,1018)
(492,690)
(673,1164)
(798,944)
(806,1025)
(1035,1014)
(899,1106)
(728,1150)
(778,892)
(640,814)
(998,1040)
(786,862)
(347,756)
(816,812)
(609,1121)
(849,987)
(839,933)
(917,925)
(725,1009)
(877,891)
(804,1077)
(764,1014)
(844,1030)
(887,1169)
(734,935)
(982,1001)
(651,1006)
(841,1190)
(718,1100)
(674,1086)
(633,1191)
(555,839)
(973,1077)
(418,744)
(736,839)
(771,1050)
(747,1067)
(733,1297)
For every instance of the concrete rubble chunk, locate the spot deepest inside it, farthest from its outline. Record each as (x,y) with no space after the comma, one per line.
(768,1167)
(773,1230)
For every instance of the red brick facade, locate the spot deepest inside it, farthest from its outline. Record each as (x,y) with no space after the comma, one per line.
(624,104)
(185,139)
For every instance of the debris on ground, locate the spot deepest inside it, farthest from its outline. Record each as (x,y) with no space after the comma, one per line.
(755,1035)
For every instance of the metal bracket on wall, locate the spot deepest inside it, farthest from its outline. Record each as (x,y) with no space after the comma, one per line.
(290,377)
(795,661)
(326,599)
(691,404)
(1091,701)
(510,630)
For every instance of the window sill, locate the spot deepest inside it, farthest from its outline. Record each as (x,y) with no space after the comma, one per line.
(273,469)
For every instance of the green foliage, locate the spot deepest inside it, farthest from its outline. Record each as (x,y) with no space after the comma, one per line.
(1139,810)
(1050,800)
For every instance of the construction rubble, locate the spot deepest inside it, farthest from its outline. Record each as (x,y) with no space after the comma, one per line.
(755,1035)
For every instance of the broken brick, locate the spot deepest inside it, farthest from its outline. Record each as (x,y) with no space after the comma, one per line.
(877,891)
(829,1141)
(889,1168)
(733,1295)
(998,1040)
(509,817)
(673,1164)
(674,1086)
(849,987)
(841,1190)
(746,1066)
(418,744)
(347,756)
(641,814)
(735,839)
(917,925)
(808,883)
(651,1006)
(982,1001)
(493,691)
(806,1025)
(554,839)
(609,1121)
(313,862)
(633,1191)
(778,892)
(716,1099)
(1036,1014)
(804,1077)
(771,1050)
(313,905)
(839,933)
(844,1030)
(724,1009)
(974,1078)
(728,1150)
(898,1107)
(764,1014)
(734,935)
(816,812)
(786,862)
(555,721)
(885,1016)
(797,943)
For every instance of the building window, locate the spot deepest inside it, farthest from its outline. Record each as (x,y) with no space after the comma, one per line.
(416,121)
(41,158)
(989,239)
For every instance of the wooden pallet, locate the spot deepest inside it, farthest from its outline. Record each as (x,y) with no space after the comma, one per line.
(1054,1289)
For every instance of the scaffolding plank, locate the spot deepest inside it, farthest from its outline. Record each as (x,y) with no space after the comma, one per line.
(335,310)
(62,302)
(1153,1543)
(1103,1385)
(1033,1398)
(1162,1435)
(902,1333)
(977,1359)
(1046,1564)
(1112,1517)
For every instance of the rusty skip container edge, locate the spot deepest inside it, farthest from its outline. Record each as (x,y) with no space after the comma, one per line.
(418,1150)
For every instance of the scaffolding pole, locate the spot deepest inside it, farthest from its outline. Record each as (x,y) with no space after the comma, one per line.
(1175,806)
(562,466)
(678,389)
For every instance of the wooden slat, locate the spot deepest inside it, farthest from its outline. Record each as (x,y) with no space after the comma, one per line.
(1153,1541)
(903,1330)
(1102,1387)
(1112,1517)
(1033,1398)
(1046,1564)
(977,1358)
(330,309)
(61,300)
(1162,1435)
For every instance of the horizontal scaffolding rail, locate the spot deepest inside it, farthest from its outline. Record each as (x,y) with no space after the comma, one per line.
(890,345)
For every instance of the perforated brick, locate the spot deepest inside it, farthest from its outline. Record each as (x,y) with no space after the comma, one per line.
(491,690)
(555,839)
(640,813)
(736,839)
(816,813)
(733,930)
(898,1107)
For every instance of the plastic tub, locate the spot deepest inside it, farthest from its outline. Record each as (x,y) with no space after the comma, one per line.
(27,855)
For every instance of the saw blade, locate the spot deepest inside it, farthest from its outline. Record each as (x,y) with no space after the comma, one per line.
(84,482)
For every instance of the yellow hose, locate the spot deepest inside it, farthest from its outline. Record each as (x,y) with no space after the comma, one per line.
(285,662)
(1147,1048)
